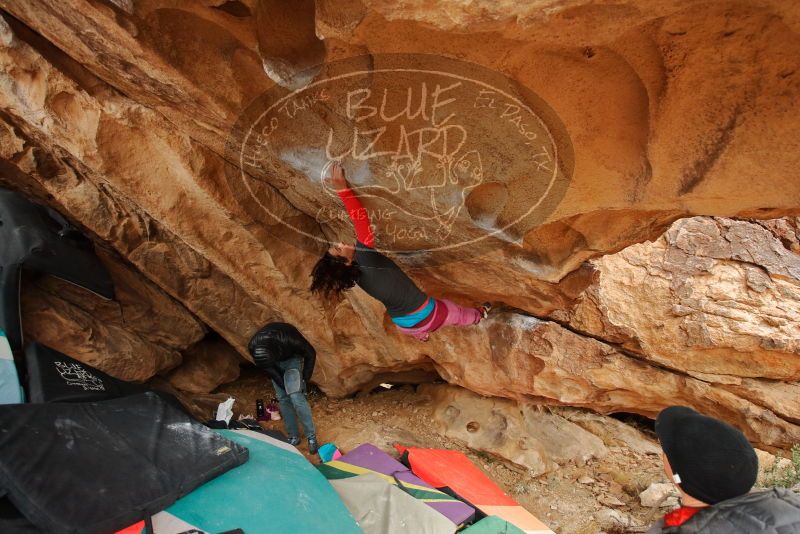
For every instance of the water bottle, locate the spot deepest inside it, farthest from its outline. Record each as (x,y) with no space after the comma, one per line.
(260,409)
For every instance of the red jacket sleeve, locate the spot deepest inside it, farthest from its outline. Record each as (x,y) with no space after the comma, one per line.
(358,214)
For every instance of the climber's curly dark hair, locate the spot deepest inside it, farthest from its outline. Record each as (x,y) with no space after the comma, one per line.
(332,275)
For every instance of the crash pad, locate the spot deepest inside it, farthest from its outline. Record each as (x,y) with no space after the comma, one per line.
(328,452)
(56,377)
(367,458)
(277,491)
(453,472)
(99,467)
(40,239)
(10,389)
(492,525)
(383,508)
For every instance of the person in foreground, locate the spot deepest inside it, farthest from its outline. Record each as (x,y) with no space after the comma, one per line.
(714,467)
(343,266)
(282,351)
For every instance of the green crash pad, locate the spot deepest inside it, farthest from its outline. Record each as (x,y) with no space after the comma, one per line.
(493,525)
(277,491)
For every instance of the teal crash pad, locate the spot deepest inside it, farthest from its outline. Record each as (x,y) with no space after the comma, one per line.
(10,388)
(493,525)
(277,491)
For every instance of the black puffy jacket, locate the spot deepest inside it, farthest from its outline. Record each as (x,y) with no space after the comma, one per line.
(775,511)
(278,342)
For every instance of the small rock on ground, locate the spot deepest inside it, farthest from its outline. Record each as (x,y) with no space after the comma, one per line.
(657,494)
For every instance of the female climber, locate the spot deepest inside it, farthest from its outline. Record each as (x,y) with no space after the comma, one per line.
(344,266)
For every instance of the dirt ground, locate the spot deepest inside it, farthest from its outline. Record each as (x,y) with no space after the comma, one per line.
(571,500)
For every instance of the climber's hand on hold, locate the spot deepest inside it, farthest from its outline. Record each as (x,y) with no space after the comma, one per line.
(336,177)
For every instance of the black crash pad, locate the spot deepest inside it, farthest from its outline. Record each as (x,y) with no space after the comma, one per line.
(102,466)
(56,377)
(40,239)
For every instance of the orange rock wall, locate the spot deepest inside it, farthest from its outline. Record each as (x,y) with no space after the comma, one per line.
(117,113)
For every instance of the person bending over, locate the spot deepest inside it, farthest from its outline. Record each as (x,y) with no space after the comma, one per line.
(714,467)
(343,266)
(288,358)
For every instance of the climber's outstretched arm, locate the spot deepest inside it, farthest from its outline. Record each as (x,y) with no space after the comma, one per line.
(355,209)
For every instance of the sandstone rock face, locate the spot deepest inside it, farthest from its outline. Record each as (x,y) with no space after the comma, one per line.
(540,361)
(714,298)
(613,433)
(67,157)
(722,294)
(525,435)
(787,230)
(119,114)
(206,365)
(136,336)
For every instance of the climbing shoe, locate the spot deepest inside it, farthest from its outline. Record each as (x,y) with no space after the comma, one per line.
(313,446)
(485,309)
(294,440)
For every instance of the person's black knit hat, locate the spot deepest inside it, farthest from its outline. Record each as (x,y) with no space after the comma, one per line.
(711,460)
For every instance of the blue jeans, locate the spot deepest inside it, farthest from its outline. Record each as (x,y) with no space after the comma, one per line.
(294,405)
